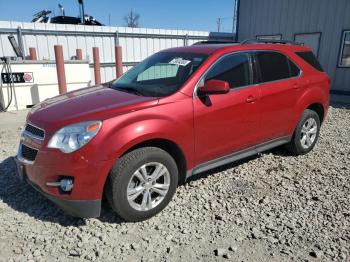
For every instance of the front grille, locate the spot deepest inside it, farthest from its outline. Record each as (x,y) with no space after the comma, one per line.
(28,153)
(35,131)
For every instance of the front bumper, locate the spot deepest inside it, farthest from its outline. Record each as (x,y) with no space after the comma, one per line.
(76,208)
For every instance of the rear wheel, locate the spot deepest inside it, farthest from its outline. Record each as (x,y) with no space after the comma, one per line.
(142,183)
(306,133)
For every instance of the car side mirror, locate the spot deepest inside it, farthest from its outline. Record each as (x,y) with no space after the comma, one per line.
(213,86)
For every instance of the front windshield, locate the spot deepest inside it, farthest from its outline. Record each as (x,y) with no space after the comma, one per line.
(160,75)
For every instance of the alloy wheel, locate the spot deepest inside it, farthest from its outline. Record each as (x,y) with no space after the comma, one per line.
(308,133)
(148,186)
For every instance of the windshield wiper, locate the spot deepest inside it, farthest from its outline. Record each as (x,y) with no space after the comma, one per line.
(128,89)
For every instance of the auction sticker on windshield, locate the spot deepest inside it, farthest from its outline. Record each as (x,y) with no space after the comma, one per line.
(179,61)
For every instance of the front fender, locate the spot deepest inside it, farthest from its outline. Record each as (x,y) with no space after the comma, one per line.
(124,132)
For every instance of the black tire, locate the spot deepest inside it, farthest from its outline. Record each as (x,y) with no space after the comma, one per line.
(295,145)
(121,174)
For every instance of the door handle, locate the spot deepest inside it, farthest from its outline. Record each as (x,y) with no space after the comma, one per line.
(250,99)
(296,86)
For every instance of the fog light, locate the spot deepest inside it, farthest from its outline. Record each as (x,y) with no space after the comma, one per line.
(66,184)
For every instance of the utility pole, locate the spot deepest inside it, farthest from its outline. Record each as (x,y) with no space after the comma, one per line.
(219,23)
(220,20)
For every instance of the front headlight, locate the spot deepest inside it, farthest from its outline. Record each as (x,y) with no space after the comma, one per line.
(70,138)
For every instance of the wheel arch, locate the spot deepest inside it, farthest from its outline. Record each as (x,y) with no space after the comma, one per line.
(313,98)
(319,109)
(171,148)
(167,145)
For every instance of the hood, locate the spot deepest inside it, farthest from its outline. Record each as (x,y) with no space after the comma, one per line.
(92,103)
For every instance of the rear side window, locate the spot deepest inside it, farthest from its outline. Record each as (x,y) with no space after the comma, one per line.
(273,66)
(233,69)
(294,70)
(310,58)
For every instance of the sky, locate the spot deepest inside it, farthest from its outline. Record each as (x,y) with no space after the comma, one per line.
(168,14)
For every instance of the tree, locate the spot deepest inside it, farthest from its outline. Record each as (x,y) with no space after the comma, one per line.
(132,19)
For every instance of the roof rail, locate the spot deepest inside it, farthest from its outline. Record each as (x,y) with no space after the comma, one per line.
(212,42)
(269,41)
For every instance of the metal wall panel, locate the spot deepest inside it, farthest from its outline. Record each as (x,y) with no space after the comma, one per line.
(290,17)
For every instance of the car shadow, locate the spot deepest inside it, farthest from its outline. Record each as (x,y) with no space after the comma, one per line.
(21,197)
(278,151)
(219,169)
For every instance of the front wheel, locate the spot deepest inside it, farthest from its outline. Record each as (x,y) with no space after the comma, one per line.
(142,183)
(306,133)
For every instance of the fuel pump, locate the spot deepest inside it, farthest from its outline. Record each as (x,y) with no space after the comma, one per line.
(7,78)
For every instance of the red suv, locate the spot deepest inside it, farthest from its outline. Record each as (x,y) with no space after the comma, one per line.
(178,113)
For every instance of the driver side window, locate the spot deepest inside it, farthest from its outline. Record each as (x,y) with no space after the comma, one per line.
(234,69)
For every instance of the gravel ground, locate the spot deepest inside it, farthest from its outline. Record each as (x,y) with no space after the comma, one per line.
(271,207)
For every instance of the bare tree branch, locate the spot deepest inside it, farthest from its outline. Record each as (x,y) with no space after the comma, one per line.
(132,19)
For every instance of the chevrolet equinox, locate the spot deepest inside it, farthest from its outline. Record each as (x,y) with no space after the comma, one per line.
(178,113)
